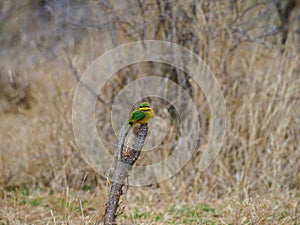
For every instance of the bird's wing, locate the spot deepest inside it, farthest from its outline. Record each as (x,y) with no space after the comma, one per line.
(137,115)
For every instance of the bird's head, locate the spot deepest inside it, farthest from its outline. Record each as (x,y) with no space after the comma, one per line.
(144,105)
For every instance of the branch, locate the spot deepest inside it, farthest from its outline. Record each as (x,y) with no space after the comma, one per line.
(124,163)
(76,74)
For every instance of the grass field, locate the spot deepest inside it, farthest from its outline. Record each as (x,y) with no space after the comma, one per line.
(255,178)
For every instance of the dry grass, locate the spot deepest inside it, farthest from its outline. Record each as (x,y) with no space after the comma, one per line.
(255,178)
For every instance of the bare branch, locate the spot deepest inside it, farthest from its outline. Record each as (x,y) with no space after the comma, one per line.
(122,168)
(76,74)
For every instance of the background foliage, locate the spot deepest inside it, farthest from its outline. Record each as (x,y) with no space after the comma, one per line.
(251,46)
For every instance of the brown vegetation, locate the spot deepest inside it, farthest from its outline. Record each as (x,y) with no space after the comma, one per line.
(254,180)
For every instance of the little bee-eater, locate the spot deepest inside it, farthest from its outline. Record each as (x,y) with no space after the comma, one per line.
(141,115)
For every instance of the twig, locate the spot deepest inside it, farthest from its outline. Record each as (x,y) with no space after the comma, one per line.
(76,74)
(121,143)
(82,213)
(122,168)
(295,213)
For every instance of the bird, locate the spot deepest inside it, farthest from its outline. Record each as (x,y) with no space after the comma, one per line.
(141,115)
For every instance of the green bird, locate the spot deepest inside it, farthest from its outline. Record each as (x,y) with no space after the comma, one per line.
(141,115)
